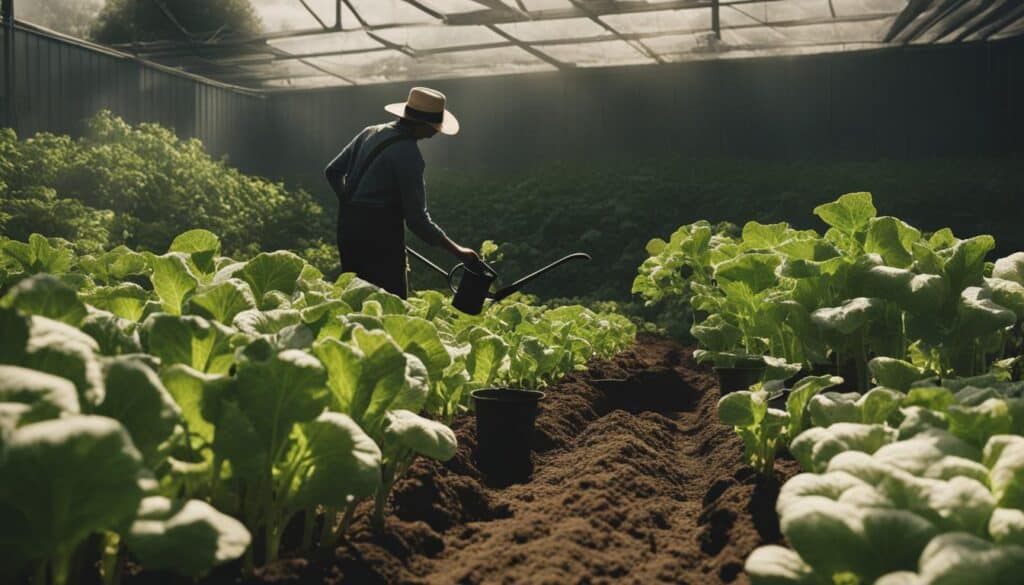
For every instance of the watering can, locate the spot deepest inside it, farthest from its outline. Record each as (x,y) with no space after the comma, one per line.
(475,286)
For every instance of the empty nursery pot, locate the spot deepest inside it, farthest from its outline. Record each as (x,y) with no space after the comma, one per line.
(504,430)
(733,379)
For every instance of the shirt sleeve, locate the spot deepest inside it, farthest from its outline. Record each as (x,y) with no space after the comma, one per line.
(412,189)
(337,168)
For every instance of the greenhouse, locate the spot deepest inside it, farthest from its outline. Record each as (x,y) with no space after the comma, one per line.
(512,291)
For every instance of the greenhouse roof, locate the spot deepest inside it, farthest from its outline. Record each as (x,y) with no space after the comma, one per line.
(319,43)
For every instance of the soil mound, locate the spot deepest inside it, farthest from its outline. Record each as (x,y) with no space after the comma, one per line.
(634,482)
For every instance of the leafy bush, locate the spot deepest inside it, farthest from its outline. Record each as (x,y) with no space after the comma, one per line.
(139,186)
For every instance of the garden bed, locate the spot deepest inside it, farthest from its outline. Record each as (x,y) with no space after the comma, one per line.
(635,481)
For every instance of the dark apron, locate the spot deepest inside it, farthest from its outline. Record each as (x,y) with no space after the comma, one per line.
(371,243)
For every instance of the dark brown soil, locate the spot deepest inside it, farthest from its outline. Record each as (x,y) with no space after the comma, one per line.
(635,481)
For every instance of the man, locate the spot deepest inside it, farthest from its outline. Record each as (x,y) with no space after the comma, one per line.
(378,178)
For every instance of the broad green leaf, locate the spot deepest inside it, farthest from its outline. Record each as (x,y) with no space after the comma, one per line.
(126,300)
(189,537)
(1006,293)
(757,235)
(48,395)
(201,246)
(742,408)
(1007,526)
(59,349)
(957,557)
(114,335)
(172,280)
(270,271)
(257,322)
(717,334)
(46,296)
(420,435)
(276,392)
(979,315)
(74,476)
(829,537)
(15,328)
(224,300)
(189,340)
(849,214)
(849,317)
(136,398)
(341,461)
(896,538)
(894,373)
(776,565)
(976,424)
(892,240)
(918,293)
(752,272)
(485,360)
(964,266)
(420,338)
(188,387)
(1010,268)
(800,396)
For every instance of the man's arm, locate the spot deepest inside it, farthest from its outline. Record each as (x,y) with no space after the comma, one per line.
(409,173)
(338,167)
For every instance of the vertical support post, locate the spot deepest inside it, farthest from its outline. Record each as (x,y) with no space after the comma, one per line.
(337,14)
(7,10)
(716,26)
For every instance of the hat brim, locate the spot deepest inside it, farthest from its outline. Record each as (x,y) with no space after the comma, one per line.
(449,125)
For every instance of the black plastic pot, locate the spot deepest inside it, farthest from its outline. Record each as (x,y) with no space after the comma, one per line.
(733,379)
(504,431)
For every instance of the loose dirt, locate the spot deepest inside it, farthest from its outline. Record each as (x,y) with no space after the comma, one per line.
(635,481)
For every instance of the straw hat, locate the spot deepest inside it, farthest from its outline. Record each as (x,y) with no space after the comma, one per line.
(426,105)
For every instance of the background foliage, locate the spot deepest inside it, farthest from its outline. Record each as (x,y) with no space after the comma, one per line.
(125,21)
(141,186)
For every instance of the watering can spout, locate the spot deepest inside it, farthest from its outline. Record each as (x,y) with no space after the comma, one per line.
(519,284)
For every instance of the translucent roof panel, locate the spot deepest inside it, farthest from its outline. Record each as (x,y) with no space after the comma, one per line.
(547,30)
(425,38)
(660,21)
(598,54)
(385,66)
(322,43)
(303,44)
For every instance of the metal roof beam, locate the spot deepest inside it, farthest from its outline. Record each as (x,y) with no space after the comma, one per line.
(636,44)
(484,17)
(530,49)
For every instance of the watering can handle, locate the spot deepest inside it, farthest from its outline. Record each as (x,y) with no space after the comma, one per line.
(481,267)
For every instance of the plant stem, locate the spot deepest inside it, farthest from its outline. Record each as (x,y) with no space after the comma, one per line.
(346,520)
(113,560)
(308,521)
(39,578)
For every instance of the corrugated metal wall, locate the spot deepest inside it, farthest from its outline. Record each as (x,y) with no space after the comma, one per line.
(60,82)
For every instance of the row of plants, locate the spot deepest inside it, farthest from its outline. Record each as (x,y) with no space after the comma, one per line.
(910,471)
(915,482)
(781,299)
(181,410)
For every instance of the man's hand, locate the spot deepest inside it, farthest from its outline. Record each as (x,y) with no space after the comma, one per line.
(467,256)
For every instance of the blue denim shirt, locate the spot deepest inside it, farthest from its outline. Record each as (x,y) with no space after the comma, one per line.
(393,180)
